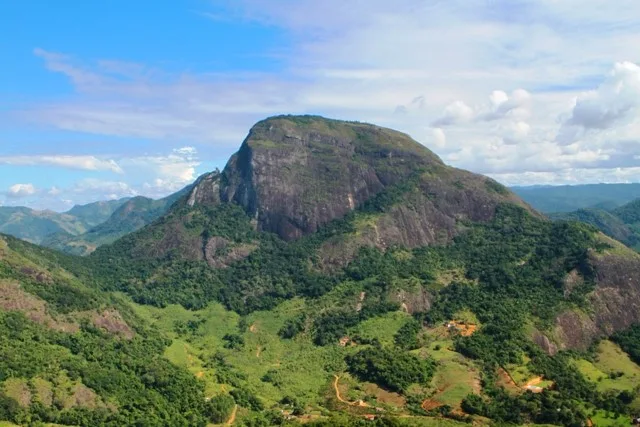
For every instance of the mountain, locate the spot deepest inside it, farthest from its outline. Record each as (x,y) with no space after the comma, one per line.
(568,198)
(294,175)
(622,223)
(340,274)
(130,216)
(35,226)
(73,355)
(96,213)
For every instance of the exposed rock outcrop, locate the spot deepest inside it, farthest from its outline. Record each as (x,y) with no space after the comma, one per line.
(205,191)
(220,252)
(294,174)
(615,301)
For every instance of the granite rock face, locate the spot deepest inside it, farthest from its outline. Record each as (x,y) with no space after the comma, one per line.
(615,301)
(295,174)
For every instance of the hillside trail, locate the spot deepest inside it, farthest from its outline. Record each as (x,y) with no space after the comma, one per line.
(339,397)
(232,418)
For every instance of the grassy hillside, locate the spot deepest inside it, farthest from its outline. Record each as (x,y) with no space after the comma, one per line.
(73,355)
(347,319)
(505,275)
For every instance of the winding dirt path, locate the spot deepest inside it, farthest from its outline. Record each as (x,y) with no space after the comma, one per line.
(232,418)
(339,397)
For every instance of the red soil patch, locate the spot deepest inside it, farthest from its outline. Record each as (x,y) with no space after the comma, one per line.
(505,380)
(463,329)
(430,404)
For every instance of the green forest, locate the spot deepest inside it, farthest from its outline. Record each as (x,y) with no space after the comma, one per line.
(201,318)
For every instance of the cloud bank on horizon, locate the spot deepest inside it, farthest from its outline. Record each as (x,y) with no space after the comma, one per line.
(526,91)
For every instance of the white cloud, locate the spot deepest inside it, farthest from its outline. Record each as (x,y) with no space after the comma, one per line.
(613,103)
(162,175)
(515,132)
(106,189)
(439,138)
(454,113)
(504,79)
(515,106)
(18,191)
(91,163)
(152,175)
(53,191)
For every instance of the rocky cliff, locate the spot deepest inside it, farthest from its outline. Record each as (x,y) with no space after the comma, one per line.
(615,301)
(294,174)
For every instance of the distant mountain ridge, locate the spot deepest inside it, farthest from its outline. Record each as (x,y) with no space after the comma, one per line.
(35,226)
(83,228)
(622,223)
(568,198)
(132,215)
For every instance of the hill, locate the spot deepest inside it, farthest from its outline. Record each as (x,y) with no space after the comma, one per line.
(132,215)
(622,223)
(72,355)
(35,226)
(568,198)
(337,272)
(326,211)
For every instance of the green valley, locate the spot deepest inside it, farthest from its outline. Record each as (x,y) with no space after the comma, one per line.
(333,274)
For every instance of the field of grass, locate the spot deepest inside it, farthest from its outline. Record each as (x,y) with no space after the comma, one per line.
(454,380)
(520,373)
(612,369)
(456,376)
(297,368)
(604,419)
(302,370)
(384,327)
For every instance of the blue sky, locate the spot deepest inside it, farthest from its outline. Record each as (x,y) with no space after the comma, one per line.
(110,99)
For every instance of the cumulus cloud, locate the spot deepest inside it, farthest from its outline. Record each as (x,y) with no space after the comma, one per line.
(151,175)
(515,132)
(516,76)
(109,190)
(53,191)
(91,163)
(454,113)
(501,106)
(162,175)
(18,191)
(613,103)
(515,105)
